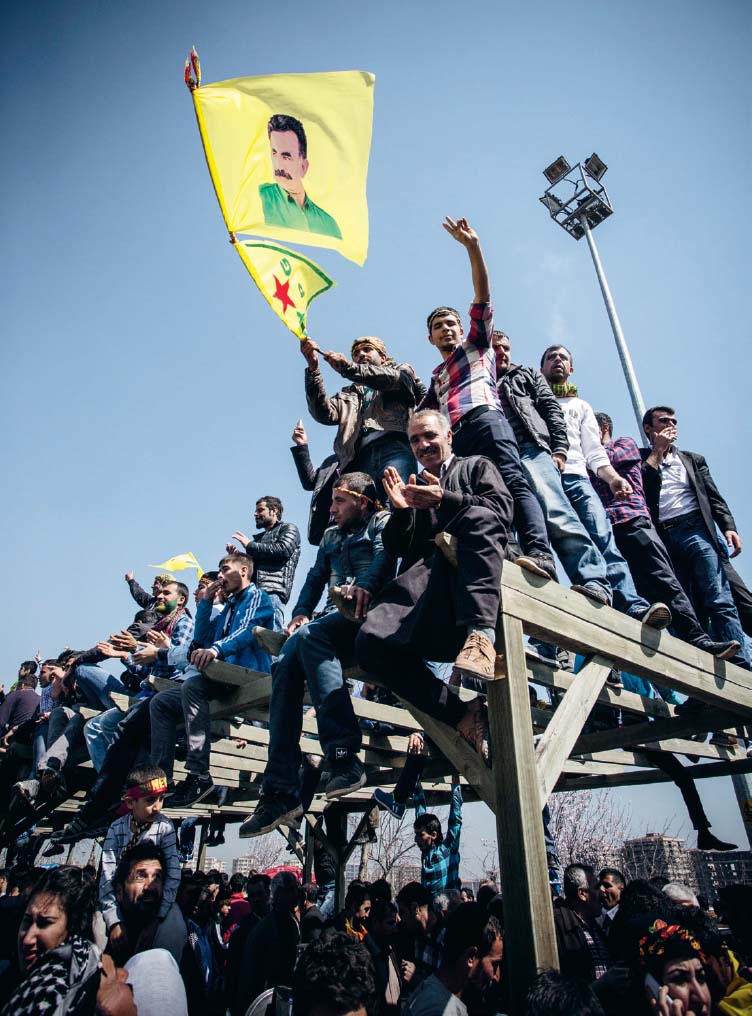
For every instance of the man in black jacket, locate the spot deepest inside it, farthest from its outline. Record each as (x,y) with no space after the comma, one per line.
(275,552)
(320,481)
(686,506)
(579,940)
(433,611)
(541,432)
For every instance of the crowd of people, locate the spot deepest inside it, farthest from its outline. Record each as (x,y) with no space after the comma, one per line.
(208,944)
(429,489)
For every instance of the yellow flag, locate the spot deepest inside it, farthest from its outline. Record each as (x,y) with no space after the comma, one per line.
(288,156)
(287,280)
(179,563)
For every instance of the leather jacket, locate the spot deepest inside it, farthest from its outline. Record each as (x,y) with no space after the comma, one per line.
(275,554)
(532,410)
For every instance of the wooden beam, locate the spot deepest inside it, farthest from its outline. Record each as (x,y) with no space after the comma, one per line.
(637,777)
(565,617)
(657,730)
(531,944)
(563,730)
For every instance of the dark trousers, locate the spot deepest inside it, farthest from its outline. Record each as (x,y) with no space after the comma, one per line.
(671,765)
(655,578)
(742,596)
(490,434)
(132,735)
(408,778)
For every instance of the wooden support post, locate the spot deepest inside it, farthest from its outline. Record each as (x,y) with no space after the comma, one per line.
(557,741)
(336,827)
(530,940)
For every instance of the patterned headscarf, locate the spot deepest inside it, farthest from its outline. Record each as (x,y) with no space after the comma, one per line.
(665,942)
(58,981)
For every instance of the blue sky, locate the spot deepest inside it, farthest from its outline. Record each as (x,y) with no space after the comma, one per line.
(147,392)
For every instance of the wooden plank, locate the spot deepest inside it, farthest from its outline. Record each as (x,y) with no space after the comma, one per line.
(563,730)
(637,777)
(531,942)
(642,651)
(618,698)
(657,730)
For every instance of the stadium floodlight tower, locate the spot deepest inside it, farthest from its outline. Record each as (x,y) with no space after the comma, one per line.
(577,200)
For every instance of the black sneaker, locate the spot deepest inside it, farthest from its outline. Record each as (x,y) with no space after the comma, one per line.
(80,828)
(593,591)
(538,564)
(345,776)
(721,650)
(656,616)
(273,810)
(192,790)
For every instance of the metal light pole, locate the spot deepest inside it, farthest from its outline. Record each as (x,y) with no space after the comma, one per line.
(578,202)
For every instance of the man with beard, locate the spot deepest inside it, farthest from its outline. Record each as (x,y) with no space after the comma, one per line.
(138,884)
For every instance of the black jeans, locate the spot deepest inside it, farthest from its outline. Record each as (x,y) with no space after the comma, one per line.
(490,434)
(655,578)
(132,735)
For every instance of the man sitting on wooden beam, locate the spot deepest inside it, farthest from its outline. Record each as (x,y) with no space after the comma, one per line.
(432,610)
(352,564)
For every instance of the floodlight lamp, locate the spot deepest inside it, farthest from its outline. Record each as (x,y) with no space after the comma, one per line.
(595,166)
(557,170)
(552,203)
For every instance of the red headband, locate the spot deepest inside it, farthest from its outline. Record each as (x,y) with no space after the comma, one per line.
(156,786)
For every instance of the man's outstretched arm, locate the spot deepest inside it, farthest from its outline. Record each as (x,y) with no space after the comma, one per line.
(463,233)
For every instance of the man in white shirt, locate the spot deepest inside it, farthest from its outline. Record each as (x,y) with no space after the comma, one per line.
(586,452)
(688,510)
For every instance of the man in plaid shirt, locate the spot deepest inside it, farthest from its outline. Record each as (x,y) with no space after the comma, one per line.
(641,547)
(463,388)
(440,856)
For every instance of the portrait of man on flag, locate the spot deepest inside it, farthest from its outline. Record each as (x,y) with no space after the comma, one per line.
(285,202)
(288,156)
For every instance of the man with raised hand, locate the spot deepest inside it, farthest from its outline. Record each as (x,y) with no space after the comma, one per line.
(686,507)
(463,389)
(432,610)
(586,453)
(353,564)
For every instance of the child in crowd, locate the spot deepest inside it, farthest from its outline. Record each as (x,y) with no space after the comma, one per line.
(145,790)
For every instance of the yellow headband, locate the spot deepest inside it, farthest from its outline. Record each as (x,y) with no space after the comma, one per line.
(377,504)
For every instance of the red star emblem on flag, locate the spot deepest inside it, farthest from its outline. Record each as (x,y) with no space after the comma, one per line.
(283,294)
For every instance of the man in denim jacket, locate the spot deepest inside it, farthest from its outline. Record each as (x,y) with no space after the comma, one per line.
(352,557)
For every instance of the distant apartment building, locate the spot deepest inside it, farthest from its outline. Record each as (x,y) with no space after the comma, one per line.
(214,864)
(658,855)
(713,870)
(244,865)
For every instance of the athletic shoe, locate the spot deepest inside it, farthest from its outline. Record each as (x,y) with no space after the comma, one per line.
(538,564)
(721,650)
(80,828)
(345,776)
(192,790)
(25,792)
(614,679)
(270,641)
(656,616)
(273,810)
(593,592)
(386,800)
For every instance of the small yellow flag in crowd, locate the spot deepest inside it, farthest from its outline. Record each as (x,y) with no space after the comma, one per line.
(179,563)
(288,280)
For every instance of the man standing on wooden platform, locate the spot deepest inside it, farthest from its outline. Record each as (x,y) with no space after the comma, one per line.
(432,610)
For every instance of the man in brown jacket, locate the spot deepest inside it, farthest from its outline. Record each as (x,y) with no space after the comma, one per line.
(371,413)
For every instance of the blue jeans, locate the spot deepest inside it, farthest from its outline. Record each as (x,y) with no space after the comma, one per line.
(96,684)
(99,733)
(314,654)
(390,450)
(592,515)
(699,568)
(279,612)
(39,744)
(580,558)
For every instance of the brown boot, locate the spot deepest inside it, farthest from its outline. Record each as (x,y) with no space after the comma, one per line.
(473,728)
(477,657)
